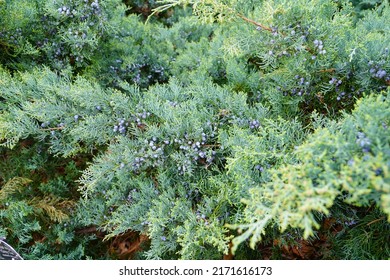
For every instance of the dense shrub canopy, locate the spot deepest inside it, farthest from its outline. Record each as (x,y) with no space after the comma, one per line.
(195,129)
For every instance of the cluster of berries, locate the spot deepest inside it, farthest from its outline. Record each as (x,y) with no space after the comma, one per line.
(364,142)
(377,71)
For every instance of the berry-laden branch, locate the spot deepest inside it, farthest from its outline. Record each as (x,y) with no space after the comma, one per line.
(259,25)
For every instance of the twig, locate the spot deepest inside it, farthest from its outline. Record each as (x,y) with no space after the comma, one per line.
(91,229)
(255,23)
(374,221)
(328,70)
(212,145)
(53,128)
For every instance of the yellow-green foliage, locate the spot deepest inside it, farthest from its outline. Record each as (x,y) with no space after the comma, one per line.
(347,160)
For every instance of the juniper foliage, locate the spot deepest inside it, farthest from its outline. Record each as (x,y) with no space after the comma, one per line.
(211,128)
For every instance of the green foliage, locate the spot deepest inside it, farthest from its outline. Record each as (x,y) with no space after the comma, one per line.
(62,33)
(369,233)
(206,127)
(337,161)
(36,211)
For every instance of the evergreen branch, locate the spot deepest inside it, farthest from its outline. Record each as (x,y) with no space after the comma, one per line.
(53,206)
(52,128)
(12,186)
